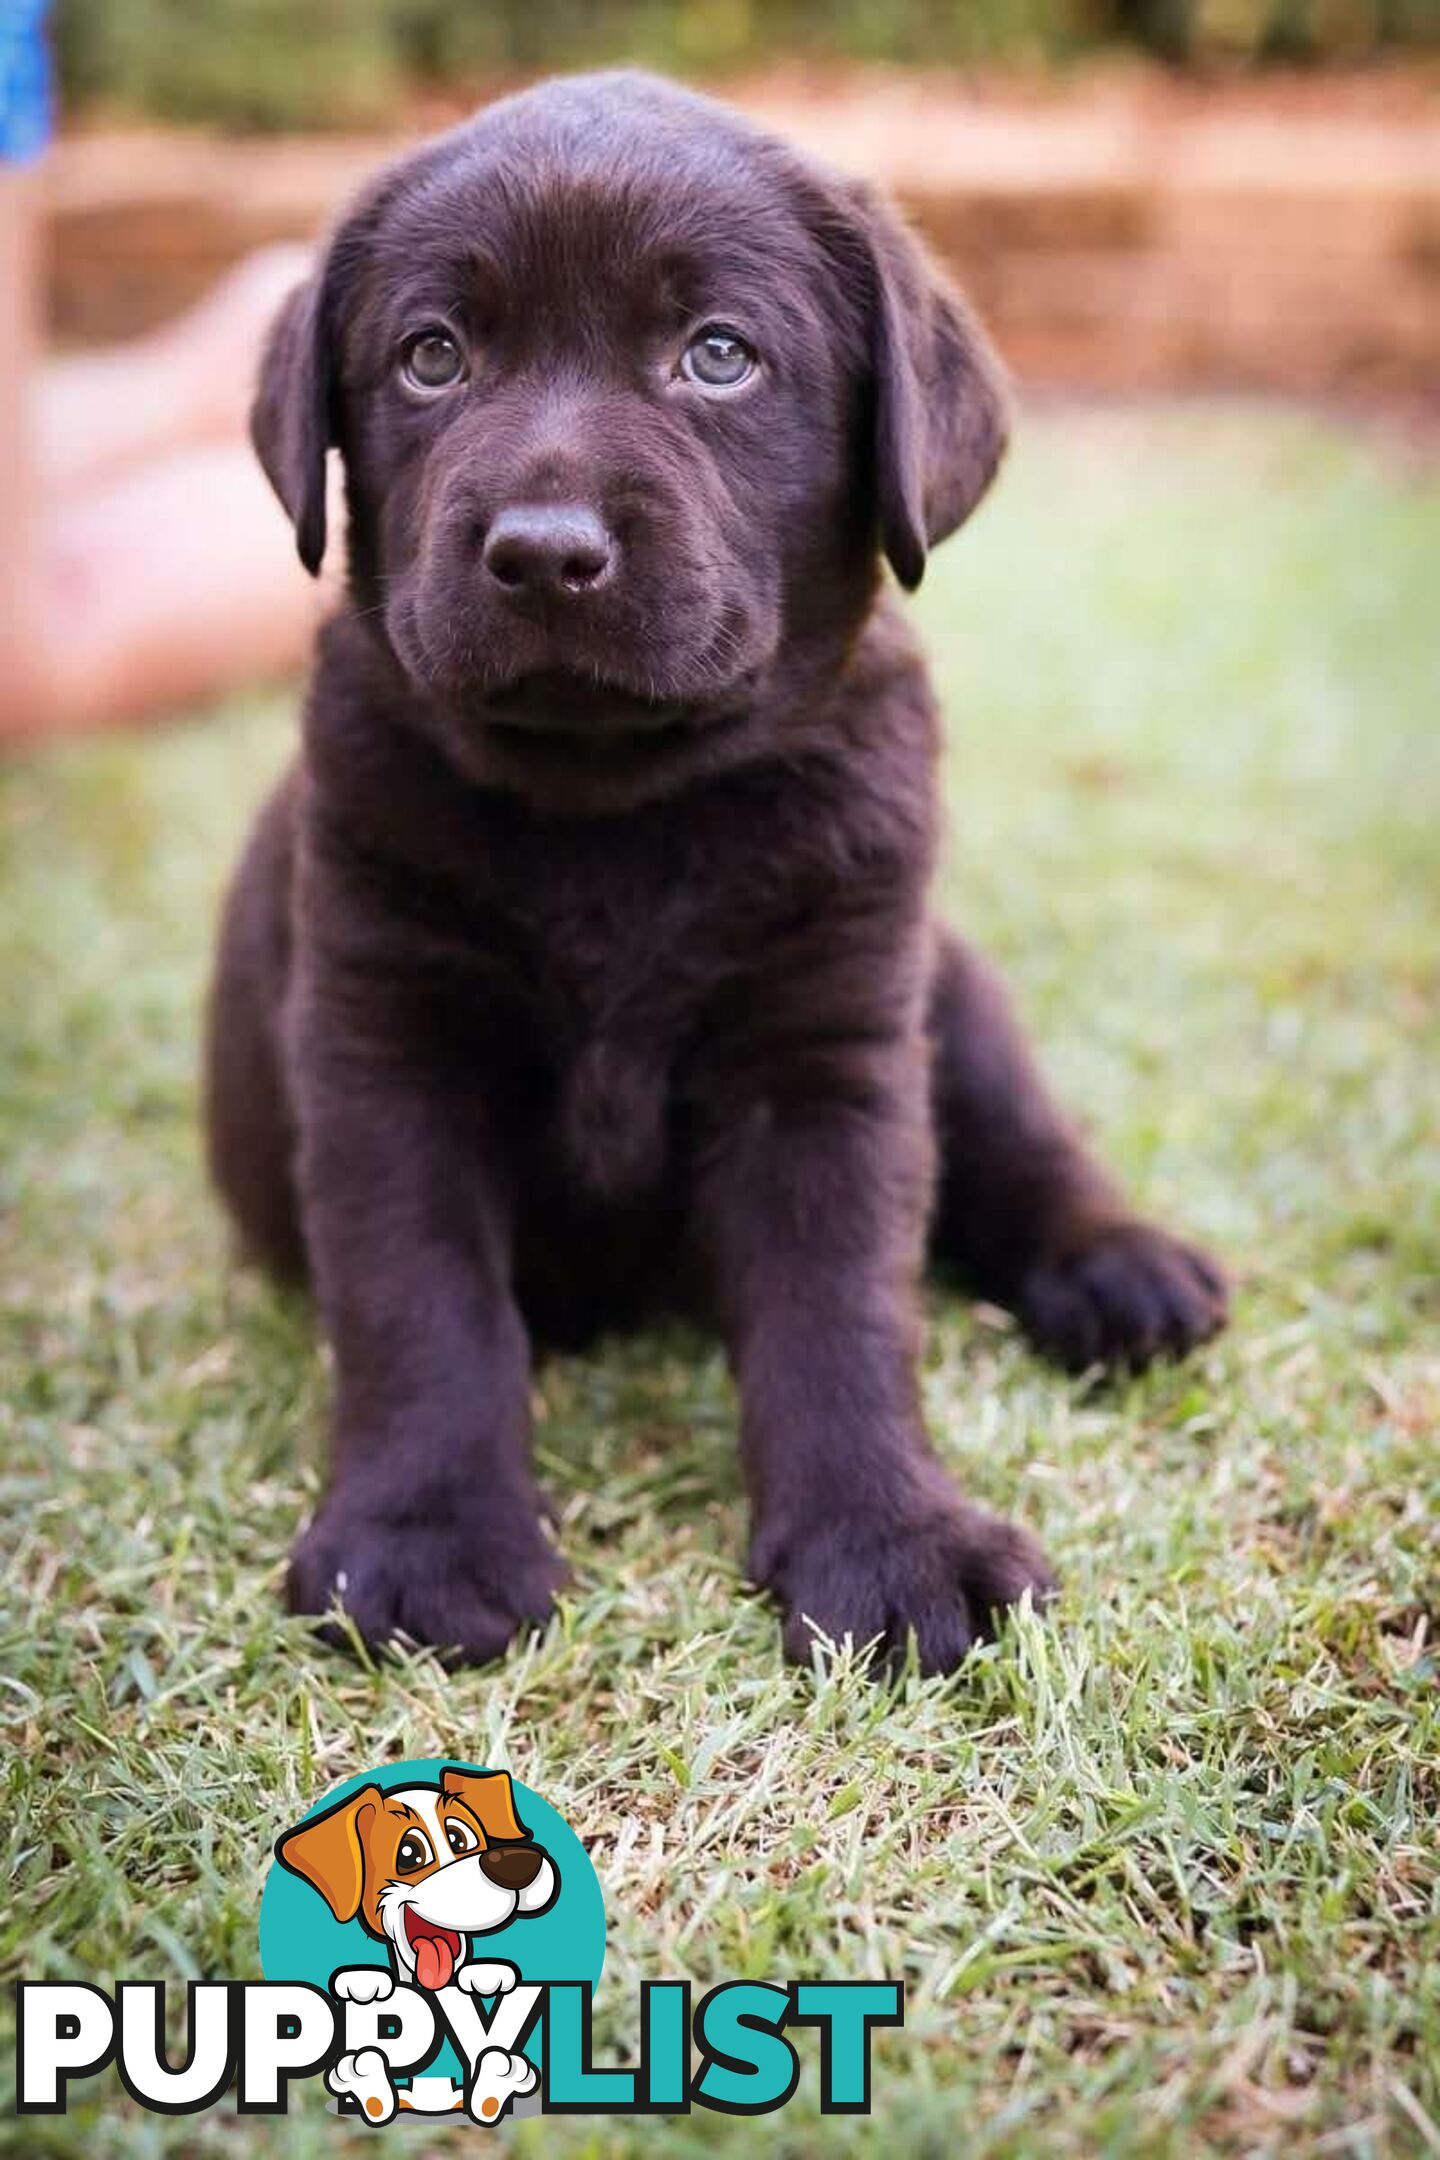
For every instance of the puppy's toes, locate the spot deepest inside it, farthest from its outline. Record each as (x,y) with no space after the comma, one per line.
(1130,1294)
(499,2078)
(944,1581)
(1002,1560)
(464,1587)
(364,2077)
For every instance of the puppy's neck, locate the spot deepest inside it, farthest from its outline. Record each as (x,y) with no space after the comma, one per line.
(382,733)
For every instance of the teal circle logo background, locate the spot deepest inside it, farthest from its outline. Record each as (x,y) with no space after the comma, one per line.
(300,1938)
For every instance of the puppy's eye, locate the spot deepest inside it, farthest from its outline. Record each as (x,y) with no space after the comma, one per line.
(460,1837)
(432,360)
(414,1852)
(718,359)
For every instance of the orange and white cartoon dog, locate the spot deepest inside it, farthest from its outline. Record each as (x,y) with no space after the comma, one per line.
(423,1868)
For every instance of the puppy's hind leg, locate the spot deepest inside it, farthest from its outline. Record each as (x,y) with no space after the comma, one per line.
(364,2079)
(249,1133)
(1026,1216)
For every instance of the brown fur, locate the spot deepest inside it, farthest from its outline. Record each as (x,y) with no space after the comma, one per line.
(583,969)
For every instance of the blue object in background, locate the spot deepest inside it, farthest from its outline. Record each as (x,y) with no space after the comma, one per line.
(25,97)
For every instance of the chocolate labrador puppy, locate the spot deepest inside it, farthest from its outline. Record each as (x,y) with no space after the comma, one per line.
(583,967)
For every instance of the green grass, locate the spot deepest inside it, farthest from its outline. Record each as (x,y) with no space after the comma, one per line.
(1161,1872)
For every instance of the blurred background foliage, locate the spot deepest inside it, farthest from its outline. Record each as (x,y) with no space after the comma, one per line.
(316,63)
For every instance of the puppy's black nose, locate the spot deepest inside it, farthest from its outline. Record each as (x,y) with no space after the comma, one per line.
(548,548)
(511,1866)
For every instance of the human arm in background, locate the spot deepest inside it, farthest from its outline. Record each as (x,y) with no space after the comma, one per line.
(144,565)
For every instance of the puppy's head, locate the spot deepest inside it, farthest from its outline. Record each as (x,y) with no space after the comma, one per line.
(630,400)
(425,1868)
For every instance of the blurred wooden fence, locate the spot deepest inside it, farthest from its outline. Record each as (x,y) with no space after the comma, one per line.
(1112,242)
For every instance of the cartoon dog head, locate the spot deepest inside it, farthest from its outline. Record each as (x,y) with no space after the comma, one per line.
(424,1867)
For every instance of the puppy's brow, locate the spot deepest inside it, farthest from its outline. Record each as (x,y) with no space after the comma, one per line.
(414,273)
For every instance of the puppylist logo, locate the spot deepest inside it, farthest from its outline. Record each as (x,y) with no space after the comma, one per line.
(431,1935)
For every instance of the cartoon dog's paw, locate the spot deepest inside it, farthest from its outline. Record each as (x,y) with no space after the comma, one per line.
(363,1984)
(486,1979)
(943,1573)
(500,2077)
(465,1584)
(1129,1295)
(364,2078)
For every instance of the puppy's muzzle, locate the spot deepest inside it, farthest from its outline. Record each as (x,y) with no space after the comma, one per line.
(512,1867)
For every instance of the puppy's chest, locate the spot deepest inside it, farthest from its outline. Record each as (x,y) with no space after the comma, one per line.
(622,945)
(618,960)
(618,1004)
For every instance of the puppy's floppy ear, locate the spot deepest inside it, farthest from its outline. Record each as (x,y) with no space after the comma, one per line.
(941,412)
(294,420)
(328,1851)
(491,1799)
(290,420)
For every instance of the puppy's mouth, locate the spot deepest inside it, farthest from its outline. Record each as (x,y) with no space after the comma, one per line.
(561,701)
(437,1949)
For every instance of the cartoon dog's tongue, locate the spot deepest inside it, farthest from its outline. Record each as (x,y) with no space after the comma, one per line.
(436,1951)
(433,1962)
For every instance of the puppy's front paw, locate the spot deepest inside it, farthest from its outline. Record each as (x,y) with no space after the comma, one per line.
(464,1583)
(1126,1296)
(946,1575)
(363,1984)
(487,1978)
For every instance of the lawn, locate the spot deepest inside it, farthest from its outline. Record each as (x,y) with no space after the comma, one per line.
(1161,1872)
